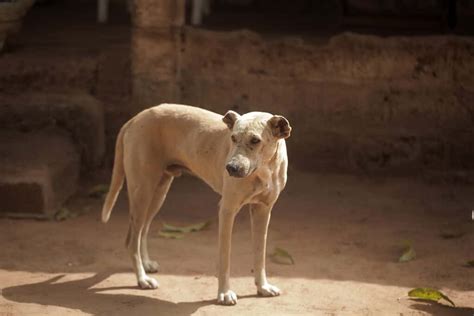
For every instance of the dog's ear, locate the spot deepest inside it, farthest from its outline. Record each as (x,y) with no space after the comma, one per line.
(229,118)
(279,126)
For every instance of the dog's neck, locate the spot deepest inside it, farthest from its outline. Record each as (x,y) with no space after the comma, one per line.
(274,157)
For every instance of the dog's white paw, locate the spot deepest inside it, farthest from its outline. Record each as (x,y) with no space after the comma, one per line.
(268,290)
(227,298)
(151,266)
(146,282)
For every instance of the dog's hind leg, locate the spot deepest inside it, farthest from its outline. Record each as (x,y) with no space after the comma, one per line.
(159,197)
(141,190)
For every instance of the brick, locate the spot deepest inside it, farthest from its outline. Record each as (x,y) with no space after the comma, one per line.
(39,171)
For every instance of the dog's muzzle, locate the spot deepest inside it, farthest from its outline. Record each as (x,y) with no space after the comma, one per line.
(235,170)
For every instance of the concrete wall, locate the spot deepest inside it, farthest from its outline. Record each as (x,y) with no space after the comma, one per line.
(356,103)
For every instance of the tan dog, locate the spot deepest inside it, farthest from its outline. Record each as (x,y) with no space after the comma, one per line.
(244,160)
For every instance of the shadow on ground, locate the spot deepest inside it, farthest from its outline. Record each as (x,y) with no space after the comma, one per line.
(80,295)
(433,308)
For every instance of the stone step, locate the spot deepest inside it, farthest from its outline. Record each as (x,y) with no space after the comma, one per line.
(39,171)
(46,69)
(80,114)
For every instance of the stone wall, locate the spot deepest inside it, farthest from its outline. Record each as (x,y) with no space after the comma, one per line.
(356,103)
(156,39)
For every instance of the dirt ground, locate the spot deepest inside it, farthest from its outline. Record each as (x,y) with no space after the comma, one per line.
(344,232)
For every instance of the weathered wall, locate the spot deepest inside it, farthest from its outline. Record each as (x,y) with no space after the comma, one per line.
(357,103)
(156,45)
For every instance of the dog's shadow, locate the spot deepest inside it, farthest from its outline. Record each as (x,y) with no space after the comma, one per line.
(79,295)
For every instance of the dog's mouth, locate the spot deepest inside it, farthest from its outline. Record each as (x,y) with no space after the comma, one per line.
(239,172)
(251,171)
(235,175)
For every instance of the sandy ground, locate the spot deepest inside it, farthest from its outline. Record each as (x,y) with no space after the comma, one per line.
(344,232)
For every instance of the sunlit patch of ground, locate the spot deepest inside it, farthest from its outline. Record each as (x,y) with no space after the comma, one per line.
(345,234)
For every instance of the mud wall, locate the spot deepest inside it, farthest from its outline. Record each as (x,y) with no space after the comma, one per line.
(356,103)
(156,44)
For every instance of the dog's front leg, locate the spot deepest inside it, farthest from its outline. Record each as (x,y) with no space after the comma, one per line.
(227,214)
(260,218)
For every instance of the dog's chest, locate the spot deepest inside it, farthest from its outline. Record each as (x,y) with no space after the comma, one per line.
(265,189)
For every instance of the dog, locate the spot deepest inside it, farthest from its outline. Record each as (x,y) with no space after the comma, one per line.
(241,157)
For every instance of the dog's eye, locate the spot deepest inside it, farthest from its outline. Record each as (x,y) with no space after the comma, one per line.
(255,140)
(234,140)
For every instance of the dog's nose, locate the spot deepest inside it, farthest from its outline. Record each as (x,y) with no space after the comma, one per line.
(232,169)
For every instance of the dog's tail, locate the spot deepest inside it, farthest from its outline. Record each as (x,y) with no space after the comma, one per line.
(118,175)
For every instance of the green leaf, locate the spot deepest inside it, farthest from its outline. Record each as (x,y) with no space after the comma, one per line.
(64,213)
(98,191)
(281,256)
(408,254)
(185,229)
(170,235)
(429,294)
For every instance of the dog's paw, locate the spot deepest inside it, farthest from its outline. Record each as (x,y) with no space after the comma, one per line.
(268,290)
(227,298)
(147,283)
(151,266)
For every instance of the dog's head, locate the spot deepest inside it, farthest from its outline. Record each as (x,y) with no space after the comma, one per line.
(254,138)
